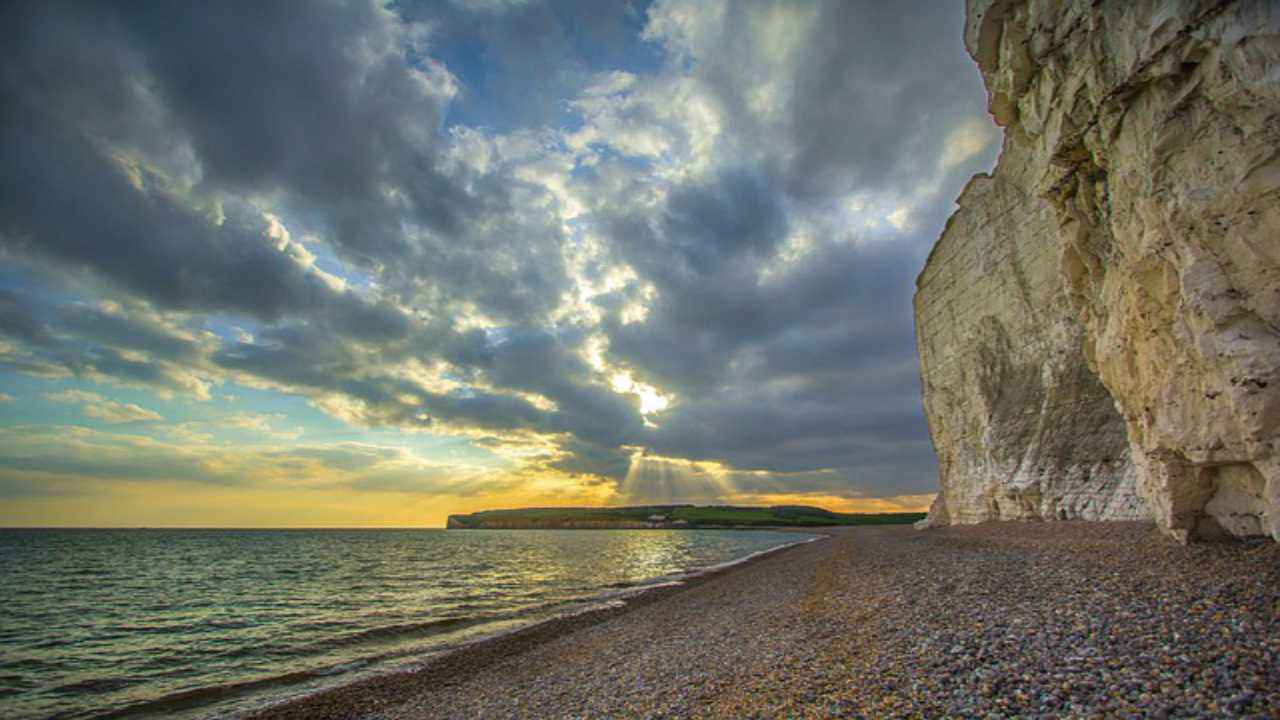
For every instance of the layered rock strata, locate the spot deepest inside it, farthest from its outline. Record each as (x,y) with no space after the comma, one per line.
(1099,324)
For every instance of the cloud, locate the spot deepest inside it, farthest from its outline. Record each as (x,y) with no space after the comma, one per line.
(252,421)
(534,54)
(77,459)
(115,412)
(69,455)
(781,227)
(845,95)
(100,408)
(691,228)
(51,339)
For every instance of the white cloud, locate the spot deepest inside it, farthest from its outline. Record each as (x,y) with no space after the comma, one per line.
(96,406)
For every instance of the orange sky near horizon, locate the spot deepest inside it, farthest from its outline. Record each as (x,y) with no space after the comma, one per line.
(149,505)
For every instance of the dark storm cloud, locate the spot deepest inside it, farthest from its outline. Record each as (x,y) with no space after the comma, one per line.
(904,88)
(317,107)
(813,372)
(134,331)
(539,362)
(530,361)
(145,145)
(733,218)
(318,102)
(63,200)
(814,368)
(873,89)
(841,307)
(591,459)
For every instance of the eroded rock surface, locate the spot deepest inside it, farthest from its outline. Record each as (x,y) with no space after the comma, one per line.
(1099,325)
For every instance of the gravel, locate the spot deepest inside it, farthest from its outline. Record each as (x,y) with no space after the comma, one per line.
(1068,619)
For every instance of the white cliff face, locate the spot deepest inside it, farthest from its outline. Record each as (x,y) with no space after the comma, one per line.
(1099,325)
(1022,426)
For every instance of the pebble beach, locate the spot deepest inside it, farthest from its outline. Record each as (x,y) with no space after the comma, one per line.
(1069,619)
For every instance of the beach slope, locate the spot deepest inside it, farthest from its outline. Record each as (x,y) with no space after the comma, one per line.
(1071,618)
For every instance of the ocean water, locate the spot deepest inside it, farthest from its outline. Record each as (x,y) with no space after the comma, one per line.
(211,623)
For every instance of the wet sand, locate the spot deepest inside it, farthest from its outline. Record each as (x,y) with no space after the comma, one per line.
(1034,619)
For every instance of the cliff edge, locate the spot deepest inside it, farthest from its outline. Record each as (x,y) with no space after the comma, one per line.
(1099,324)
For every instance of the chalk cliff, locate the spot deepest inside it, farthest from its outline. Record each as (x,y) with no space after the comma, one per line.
(1099,324)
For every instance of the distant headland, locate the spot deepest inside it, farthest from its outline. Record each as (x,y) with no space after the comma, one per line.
(670,517)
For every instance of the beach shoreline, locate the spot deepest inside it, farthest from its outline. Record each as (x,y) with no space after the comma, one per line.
(372,693)
(1071,619)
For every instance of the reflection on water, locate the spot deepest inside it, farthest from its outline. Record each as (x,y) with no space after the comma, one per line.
(200,622)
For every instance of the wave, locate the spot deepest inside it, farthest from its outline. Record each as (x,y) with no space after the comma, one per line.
(204,695)
(614,596)
(95,685)
(387,633)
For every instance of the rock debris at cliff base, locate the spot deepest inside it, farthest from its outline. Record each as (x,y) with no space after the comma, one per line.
(1099,324)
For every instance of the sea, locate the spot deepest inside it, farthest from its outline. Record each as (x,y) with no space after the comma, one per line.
(144,623)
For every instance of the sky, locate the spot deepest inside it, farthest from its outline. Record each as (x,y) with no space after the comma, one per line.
(369,264)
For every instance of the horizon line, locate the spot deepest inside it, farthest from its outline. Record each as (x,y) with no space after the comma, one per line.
(222,527)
